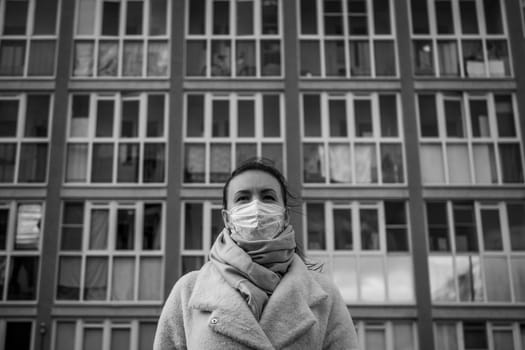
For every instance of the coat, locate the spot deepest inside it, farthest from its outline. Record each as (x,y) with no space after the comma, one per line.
(306,311)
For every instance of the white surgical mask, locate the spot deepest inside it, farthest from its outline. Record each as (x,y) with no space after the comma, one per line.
(257,220)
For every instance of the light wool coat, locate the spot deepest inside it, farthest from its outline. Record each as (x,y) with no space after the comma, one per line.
(306,311)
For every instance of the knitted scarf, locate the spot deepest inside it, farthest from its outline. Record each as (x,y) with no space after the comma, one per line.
(254,268)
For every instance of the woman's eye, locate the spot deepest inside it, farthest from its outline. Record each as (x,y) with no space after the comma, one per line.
(269,198)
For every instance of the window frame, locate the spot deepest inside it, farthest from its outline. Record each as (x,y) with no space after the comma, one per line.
(3,327)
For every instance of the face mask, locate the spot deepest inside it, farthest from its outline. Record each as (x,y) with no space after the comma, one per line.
(257,220)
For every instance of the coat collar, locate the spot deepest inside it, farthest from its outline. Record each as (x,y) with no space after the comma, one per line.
(285,318)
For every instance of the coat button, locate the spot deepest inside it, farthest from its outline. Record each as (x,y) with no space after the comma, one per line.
(214,321)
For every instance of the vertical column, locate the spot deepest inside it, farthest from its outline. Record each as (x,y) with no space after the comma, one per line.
(55,177)
(415,189)
(291,101)
(174,159)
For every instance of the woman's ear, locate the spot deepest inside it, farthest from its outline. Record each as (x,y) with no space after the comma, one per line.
(287,215)
(225,218)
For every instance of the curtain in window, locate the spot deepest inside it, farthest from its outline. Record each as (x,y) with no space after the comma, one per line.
(458,164)
(442,284)
(432,164)
(220,159)
(365,164)
(98,235)
(42,57)
(518,278)
(194,163)
(132,65)
(468,274)
(314,163)
(83,65)
(12,57)
(360,58)
(445,337)
(150,279)
(96,279)
(448,58)
(335,58)
(123,279)
(76,168)
(484,164)
(69,278)
(340,163)
(154,157)
(158,59)
(108,58)
(7,161)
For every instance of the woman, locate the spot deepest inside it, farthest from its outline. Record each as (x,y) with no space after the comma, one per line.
(255,292)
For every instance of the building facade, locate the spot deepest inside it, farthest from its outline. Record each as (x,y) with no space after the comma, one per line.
(398,124)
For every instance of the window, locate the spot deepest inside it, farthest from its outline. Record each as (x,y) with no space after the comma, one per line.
(364,247)
(460,38)
(352,139)
(474,256)
(117,138)
(469,138)
(111,252)
(97,334)
(16,334)
(222,131)
(347,39)
(24,137)
(28,38)
(21,231)
(239,39)
(384,335)
(121,38)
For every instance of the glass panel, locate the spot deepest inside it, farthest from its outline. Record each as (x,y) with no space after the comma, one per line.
(274,152)
(83,64)
(192,263)
(98,236)
(308,17)
(33,162)
(357,17)
(271,116)
(475,336)
(392,163)
(359,58)
(516,219)
(337,115)
(134,17)
(216,224)
(313,162)
(158,59)
(385,58)
(3,267)
(96,279)
(92,338)
(491,229)
(246,118)
(444,18)
(270,17)
(365,163)
(80,116)
(511,165)
(310,58)
(195,58)
(473,58)
(65,335)
(469,17)
(245,151)
(193,226)
(154,162)
(505,116)
(155,117)
(150,280)
(15,17)
(465,227)
(428,116)
(120,339)
(8,118)
(68,287)
(375,339)
(195,116)
(245,61)
(28,227)
(479,118)
(158,13)
(7,162)
(518,278)
(315,224)
(105,112)
(458,163)
(497,281)
(372,280)
(423,57)
(333,17)
(340,163)
(342,219)
(76,167)
(132,59)
(442,285)
(454,118)
(146,334)
(71,238)
(312,115)
(108,58)
(403,336)
(221,118)
(503,339)
(270,58)
(369,224)
(484,164)
(123,278)
(448,58)
(432,163)
(382,17)
(363,118)
(400,280)
(498,56)
(194,163)
(42,57)
(438,227)
(45,17)
(419,17)
(129,123)
(244,17)
(12,57)
(86,17)
(345,277)
(151,231)
(221,17)
(221,58)
(125,239)
(220,162)
(445,336)
(18,335)
(197,11)
(22,278)
(110,17)
(396,227)
(4,221)
(37,115)
(102,163)
(335,58)
(493,19)
(470,285)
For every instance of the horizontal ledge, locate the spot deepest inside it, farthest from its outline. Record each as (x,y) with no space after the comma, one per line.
(131,311)
(477,312)
(465,84)
(22,193)
(12,310)
(331,85)
(27,85)
(511,192)
(136,84)
(382,312)
(114,193)
(353,193)
(233,85)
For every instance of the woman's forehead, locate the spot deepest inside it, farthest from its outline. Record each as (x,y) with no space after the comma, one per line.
(253,180)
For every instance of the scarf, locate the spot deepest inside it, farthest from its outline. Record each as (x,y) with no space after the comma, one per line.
(254,268)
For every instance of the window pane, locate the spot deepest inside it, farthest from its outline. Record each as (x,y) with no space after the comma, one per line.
(454,118)
(28,227)
(80,116)
(98,236)
(12,57)
(274,152)
(86,16)
(220,162)
(313,163)
(337,114)
(271,115)
(468,276)
(221,58)
(365,163)
(246,118)
(4,221)
(511,165)
(491,229)
(518,278)
(345,277)
(403,336)
(473,57)
(216,225)
(73,220)
(83,64)
(65,335)
(270,17)
(245,62)
(335,58)
(18,335)
(469,17)
(445,336)
(68,287)
(372,280)
(388,115)
(221,118)
(123,277)
(442,285)
(155,117)
(484,163)
(108,58)
(382,17)
(221,17)
(392,163)
(110,17)
(197,11)
(315,223)
(423,57)
(342,219)
(270,57)
(3,267)
(132,59)
(465,227)
(310,58)
(7,161)
(146,334)
(308,17)
(154,162)
(493,19)
(8,118)
(516,219)
(195,116)
(438,227)
(479,118)
(102,163)
(359,58)
(458,163)
(333,17)
(125,239)
(150,280)
(192,263)
(193,226)
(37,115)
(105,111)
(77,158)
(194,163)
(428,116)
(22,278)
(505,116)
(503,340)
(120,339)
(245,151)
(15,17)
(400,281)
(130,119)
(312,115)
(158,58)
(419,17)
(96,280)
(33,162)
(369,229)
(151,231)
(363,118)
(385,58)
(375,339)
(498,56)
(432,168)
(396,227)
(340,163)
(475,336)
(444,19)
(158,13)
(497,280)
(244,17)
(42,57)
(448,58)
(92,338)
(195,58)
(357,17)
(134,18)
